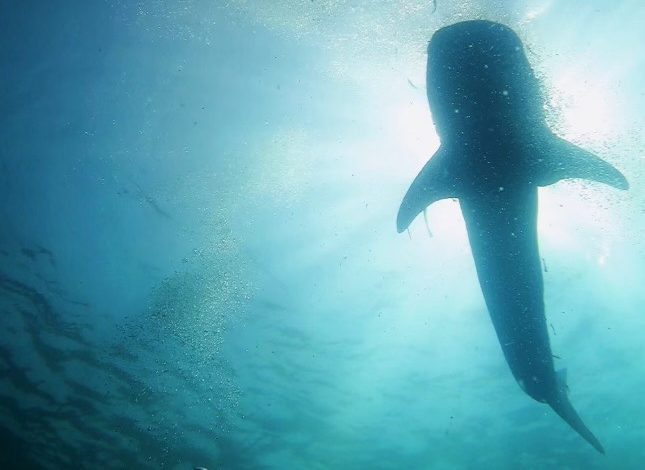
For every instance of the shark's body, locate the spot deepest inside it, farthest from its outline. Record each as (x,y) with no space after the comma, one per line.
(496,149)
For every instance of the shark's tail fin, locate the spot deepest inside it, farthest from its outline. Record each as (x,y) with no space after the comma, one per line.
(563,160)
(563,407)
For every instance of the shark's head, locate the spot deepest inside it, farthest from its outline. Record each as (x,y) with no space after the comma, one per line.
(480,81)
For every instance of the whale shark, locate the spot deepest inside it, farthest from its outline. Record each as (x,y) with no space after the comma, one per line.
(495,150)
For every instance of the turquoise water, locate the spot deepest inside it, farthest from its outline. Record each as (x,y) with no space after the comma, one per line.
(199,263)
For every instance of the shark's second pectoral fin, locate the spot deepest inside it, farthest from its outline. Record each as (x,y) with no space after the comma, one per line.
(563,160)
(433,183)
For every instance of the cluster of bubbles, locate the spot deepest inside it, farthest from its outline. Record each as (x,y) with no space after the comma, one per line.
(194,307)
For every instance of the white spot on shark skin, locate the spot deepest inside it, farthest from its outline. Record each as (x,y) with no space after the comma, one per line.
(505,92)
(521,384)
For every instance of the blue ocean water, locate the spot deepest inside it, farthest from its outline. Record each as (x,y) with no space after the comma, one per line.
(199,264)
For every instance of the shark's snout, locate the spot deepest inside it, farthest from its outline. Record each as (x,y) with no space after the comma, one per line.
(479,74)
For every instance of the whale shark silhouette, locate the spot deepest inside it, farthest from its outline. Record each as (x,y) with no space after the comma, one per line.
(496,150)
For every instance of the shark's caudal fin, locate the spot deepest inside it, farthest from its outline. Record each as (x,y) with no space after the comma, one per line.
(432,184)
(563,407)
(558,159)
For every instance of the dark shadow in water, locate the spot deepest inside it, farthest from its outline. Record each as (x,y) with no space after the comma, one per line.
(68,402)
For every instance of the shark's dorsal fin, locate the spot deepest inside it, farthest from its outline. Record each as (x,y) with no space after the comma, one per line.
(561,160)
(433,183)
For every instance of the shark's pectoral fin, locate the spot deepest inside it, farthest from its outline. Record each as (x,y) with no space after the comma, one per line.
(564,160)
(433,183)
